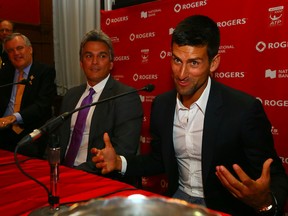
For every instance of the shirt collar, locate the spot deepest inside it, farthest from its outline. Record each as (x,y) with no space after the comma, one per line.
(25,70)
(100,86)
(201,102)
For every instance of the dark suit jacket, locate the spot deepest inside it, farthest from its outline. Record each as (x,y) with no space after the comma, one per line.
(36,105)
(236,130)
(4,59)
(121,118)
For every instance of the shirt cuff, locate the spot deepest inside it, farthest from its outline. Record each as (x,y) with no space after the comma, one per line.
(124,165)
(19,119)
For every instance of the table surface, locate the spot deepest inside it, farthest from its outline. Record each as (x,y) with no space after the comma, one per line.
(20,195)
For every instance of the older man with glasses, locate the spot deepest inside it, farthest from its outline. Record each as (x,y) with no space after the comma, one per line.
(6,28)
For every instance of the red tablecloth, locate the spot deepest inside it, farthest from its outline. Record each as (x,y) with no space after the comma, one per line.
(19,195)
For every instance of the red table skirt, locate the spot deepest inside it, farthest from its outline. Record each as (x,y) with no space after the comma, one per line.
(20,195)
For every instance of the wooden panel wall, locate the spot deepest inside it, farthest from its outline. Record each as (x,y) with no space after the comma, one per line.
(41,35)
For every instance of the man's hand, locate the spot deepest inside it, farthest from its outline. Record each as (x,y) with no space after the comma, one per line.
(255,193)
(6,121)
(106,159)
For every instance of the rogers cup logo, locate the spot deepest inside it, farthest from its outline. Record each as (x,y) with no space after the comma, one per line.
(144,55)
(276,15)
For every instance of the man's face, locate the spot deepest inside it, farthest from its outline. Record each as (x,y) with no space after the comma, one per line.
(95,61)
(19,53)
(6,29)
(190,70)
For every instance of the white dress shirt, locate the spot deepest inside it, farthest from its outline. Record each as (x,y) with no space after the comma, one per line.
(187,139)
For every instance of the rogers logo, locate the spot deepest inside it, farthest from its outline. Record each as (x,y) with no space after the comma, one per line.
(108,21)
(261,46)
(132,37)
(229,74)
(233,22)
(116,20)
(145,35)
(137,77)
(163,54)
(274,103)
(179,7)
(284,160)
(122,58)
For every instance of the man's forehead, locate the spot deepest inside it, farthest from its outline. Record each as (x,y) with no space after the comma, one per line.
(6,24)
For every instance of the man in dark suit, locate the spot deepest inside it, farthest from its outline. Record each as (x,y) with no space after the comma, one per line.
(6,28)
(213,142)
(34,106)
(121,117)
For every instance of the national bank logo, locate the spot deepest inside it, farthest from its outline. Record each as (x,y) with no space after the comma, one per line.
(179,7)
(276,16)
(118,77)
(224,48)
(270,74)
(144,139)
(273,74)
(150,13)
(147,98)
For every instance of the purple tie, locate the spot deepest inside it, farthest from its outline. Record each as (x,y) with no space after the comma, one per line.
(78,130)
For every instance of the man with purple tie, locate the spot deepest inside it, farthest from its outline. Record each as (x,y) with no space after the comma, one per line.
(121,117)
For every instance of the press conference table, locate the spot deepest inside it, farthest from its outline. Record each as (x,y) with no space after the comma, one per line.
(19,195)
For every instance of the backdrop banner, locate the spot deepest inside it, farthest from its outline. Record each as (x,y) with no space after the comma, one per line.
(254,50)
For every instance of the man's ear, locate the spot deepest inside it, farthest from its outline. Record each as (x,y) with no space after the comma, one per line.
(215,63)
(111,65)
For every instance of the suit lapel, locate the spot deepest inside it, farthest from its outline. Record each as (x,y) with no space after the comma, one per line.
(68,107)
(213,116)
(99,114)
(31,76)
(170,112)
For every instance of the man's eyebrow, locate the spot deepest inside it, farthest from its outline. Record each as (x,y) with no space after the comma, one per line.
(90,52)
(189,60)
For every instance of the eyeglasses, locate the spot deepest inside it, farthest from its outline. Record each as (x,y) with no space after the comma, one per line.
(5,30)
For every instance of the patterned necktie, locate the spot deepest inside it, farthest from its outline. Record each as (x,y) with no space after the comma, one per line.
(18,99)
(78,130)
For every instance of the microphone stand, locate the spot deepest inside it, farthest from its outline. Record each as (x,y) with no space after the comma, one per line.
(22,82)
(54,153)
(54,162)
(53,195)
(54,123)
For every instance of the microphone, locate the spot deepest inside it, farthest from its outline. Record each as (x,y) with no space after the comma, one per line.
(148,88)
(22,82)
(53,124)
